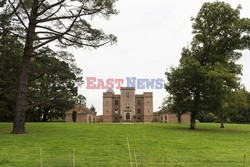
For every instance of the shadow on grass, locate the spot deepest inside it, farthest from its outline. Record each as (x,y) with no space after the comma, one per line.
(207,128)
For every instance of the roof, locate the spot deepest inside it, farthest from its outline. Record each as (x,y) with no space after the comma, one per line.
(164,112)
(79,108)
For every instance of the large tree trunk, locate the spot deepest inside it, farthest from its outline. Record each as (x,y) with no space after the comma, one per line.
(192,120)
(179,117)
(221,120)
(45,117)
(197,100)
(19,117)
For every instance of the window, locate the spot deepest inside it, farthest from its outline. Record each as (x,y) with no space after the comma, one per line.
(116,111)
(107,111)
(127,106)
(127,94)
(139,111)
(107,102)
(139,118)
(139,102)
(116,118)
(116,102)
(148,101)
(148,110)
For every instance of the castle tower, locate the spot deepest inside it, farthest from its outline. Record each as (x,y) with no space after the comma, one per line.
(108,105)
(127,103)
(128,106)
(148,106)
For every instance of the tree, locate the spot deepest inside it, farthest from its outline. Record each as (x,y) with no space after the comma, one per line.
(238,111)
(10,55)
(172,105)
(185,85)
(208,72)
(134,117)
(52,83)
(92,108)
(54,89)
(120,118)
(81,99)
(38,23)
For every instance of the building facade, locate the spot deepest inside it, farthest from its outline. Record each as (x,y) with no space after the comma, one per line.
(127,106)
(83,114)
(167,117)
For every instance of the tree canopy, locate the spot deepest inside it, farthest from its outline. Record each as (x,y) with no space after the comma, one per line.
(62,23)
(208,72)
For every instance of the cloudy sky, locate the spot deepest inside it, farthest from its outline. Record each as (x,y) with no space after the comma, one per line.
(151,34)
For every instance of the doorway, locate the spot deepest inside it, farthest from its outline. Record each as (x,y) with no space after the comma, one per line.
(127,116)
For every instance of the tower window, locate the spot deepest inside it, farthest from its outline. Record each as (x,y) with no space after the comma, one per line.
(139,102)
(116,102)
(127,94)
(139,111)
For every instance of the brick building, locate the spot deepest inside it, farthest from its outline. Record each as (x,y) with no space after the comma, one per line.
(83,114)
(167,117)
(127,106)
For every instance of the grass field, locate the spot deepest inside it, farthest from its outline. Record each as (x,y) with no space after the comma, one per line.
(105,145)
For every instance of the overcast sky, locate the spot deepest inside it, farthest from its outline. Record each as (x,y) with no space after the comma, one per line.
(151,34)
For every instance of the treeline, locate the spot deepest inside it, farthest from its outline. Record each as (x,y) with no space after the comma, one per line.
(52,84)
(207,80)
(237,111)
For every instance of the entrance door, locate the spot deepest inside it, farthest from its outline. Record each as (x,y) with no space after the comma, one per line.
(127,116)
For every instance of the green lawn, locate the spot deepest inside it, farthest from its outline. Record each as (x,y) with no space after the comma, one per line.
(103,145)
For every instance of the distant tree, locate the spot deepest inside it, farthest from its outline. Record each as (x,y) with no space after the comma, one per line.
(208,72)
(164,106)
(92,108)
(155,119)
(238,111)
(54,88)
(120,118)
(81,99)
(172,105)
(134,117)
(38,23)
(204,116)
